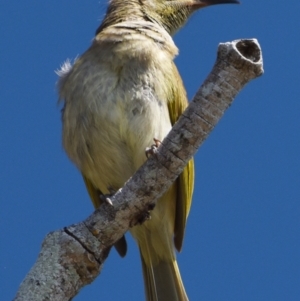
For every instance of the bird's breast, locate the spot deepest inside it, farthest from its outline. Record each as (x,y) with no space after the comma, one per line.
(112,113)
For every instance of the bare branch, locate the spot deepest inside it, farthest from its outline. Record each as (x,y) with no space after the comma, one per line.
(72,257)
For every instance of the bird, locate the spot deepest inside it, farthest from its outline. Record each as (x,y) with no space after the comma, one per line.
(119,95)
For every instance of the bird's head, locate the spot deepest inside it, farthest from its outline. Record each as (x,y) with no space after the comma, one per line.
(170,14)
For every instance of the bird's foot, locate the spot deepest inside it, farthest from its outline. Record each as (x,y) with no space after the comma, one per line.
(152,150)
(106,197)
(143,217)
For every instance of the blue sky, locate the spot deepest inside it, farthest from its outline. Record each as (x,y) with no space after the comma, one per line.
(243,234)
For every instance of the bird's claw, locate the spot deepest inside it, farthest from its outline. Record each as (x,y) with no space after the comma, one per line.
(143,217)
(106,199)
(152,150)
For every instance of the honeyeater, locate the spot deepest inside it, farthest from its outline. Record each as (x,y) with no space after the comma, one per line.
(121,93)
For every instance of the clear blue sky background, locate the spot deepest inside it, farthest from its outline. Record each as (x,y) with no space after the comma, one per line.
(243,234)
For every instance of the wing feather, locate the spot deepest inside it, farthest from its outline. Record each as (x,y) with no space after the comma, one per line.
(177,103)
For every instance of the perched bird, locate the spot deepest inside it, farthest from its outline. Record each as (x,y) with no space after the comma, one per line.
(121,93)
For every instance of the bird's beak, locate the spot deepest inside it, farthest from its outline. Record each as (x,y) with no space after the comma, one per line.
(204,3)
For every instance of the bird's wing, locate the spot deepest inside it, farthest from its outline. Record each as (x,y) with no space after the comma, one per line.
(177,103)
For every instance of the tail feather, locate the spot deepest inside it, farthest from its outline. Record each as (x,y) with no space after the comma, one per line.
(155,240)
(163,282)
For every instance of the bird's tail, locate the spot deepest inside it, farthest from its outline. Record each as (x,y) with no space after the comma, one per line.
(163,281)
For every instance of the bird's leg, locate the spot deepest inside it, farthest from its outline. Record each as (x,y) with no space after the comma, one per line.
(150,151)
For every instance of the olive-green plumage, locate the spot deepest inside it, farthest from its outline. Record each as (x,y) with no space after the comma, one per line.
(121,93)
